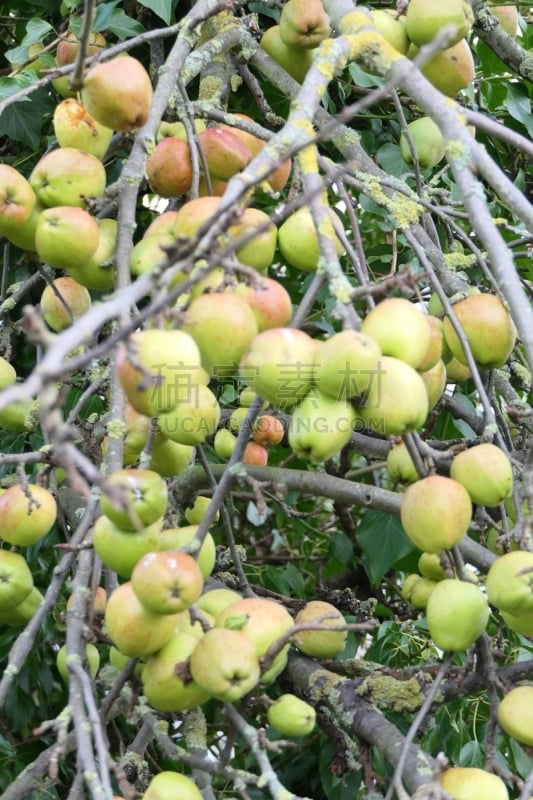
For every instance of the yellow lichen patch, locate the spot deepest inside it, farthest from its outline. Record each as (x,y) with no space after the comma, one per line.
(404,211)
(459,260)
(308,160)
(322,684)
(372,51)
(390,694)
(116,429)
(352,22)
(457,151)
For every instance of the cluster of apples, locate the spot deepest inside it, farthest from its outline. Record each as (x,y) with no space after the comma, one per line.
(18,416)
(266,430)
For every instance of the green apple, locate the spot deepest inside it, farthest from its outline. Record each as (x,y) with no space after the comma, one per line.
(66,236)
(177,128)
(416,589)
(62,302)
(133,629)
(194,514)
(515,714)
(456,372)
(400,465)
(224,153)
(303,23)
(177,538)
(320,427)
(435,351)
(485,472)
(19,416)
(457,614)
(428,143)
(167,581)
(224,443)
(400,329)
(509,582)
(296,61)
(8,376)
(263,621)
(279,365)
(298,239)
(449,70)
(488,328)
(345,364)
(259,251)
(435,380)
(192,419)
(134,498)
(194,627)
(270,302)
(149,252)
(68,177)
(166,679)
(396,401)
(99,271)
(320,641)
(157,367)
(521,623)
(424,20)
(215,601)
(27,514)
(24,236)
(225,664)
(435,512)
(118,93)
(472,783)
(74,127)
(17,200)
(16,579)
(23,613)
(171,786)
(121,550)
(392,27)
(92,655)
(291,716)
(429,566)
(170,458)
(169,167)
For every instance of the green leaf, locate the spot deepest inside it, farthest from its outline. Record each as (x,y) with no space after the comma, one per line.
(519,106)
(383,542)
(341,548)
(161,8)
(36,30)
(103,16)
(23,120)
(123,26)
(389,158)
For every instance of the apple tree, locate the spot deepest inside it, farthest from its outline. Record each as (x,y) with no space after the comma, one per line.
(266,345)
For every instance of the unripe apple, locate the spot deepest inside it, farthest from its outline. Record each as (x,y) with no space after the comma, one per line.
(66,235)
(320,643)
(170,458)
(121,550)
(171,786)
(456,372)
(449,70)
(118,93)
(93,660)
(214,601)
(24,612)
(485,472)
(225,154)
(224,443)
(177,128)
(133,629)
(186,624)
(430,567)
(99,271)
(303,23)
(425,20)
(162,223)
(291,716)
(67,177)
(435,512)
(515,714)
(134,498)
(416,590)
(177,538)
(167,581)
(237,419)
(194,514)
(259,251)
(435,350)
(169,168)
(8,375)
(166,681)
(320,427)
(19,416)
(24,236)
(507,16)
(225,664)
(346,364)
(400,465)
(392,27)
(521,623)
(396,401)
(298,239)
(295,60)
(277,179)
(488,328)
(64,301)
(192,419)
(472,783)
(74,127)
(435,380)
(509,582)
(27,514)
(400,329)
(17,200)
(457,614)
(16,579)
(428,143)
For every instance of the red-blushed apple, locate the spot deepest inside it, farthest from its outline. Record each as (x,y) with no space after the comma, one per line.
(515,714)
(27,514)
(400,329)
(255,454)
(298,239)
(171,786)
(167,581)
(214,601)
(66,235)
(485,472)
(162,223)
(170,458)
(279,365)
(166,679)
(69,44)
(133,629)
(435,513)
(225,154)
(346,364)
(263,621)
(303,24)
(323,642)
(17,200)
(472,783)
(225,664)
(270,302)
(488,328)
(206,316)
(277,179)
(507,16)
(118,93)
(99,271)
(64,301)
(178,538)
(267,430)
(157,367)
(16,579)
(74,127)
(435,380)
(121,550)
(133,498)
(457,613)
(169,168)
(192,419)
(92,656)
(320,427)
(68,177)
(396,401)
(291,716)
(98,600)
(509,582)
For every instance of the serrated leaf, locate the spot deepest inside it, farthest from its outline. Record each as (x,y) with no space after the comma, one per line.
(383,541)
(161,8)
(123,26)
